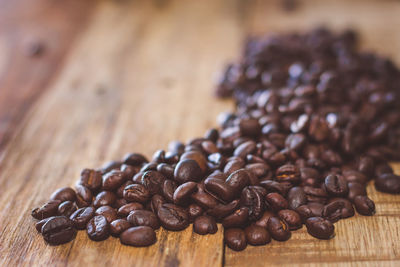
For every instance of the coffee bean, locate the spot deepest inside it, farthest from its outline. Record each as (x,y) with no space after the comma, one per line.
(113,179)
(81,217)
(84,196)
(237,218)
(221,210)
(249,127)
(238,180)
(156,202)
(136,193)
(336,185)
(108,212)
(111,165)
(200,160)
(204,225)
(143,218)
(235,239)
(288,173)
(118,226)
(244,149)
(140,236)
(134,159)
(64,194)
(356,189)
(263,221)
(338,208)
(204,199)
(183,192)
(129,171)
(296,197)
(153,181)
(273,186)
(194,211)
(320,228)
(168,190)
(234,165)
(388,183)
(219,188)
(364,205)
(40,224)
(312,209)
(98,228)
(124,210)
(355,176)
(66,208)
(91,179)
(292,218)
(253,197)
(188,170)
(58,230)
(48,209)
(166,170)
(104,198)
(256,235)
(173,217)
(278,229)
(276,201)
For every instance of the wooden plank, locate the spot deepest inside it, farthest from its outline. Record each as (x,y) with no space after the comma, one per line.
(359,241)
(35,35)
(137,78)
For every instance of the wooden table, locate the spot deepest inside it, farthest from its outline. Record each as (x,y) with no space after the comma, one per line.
(84,82)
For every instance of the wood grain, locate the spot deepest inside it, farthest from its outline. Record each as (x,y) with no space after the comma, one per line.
(138,75)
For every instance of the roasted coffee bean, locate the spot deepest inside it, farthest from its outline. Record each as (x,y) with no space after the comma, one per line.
(151,166)
(204,225)
(58,230)
(256,235)
(320,228)
(315,194)
(262,222)
(64,194)
(183,192)
(168,190)
(194,211)
(200,160)
(84,196)
(153,181)
(276,201)
(124,210)
(234,165)
(250,127)
(296,197)
(129,171)
(288,173)
(274,186)
(119,203)
(81,217)
(366,165)
(382,169)
(253,197)
(244,149)
(212,135)
(118,226)
(336,185)
(238,180)
(136,193)
(134,159)
(98,228)
(113,179)
(156,202)
(338,208)
(188,170)
(388,183)
(237,218)
(140,236)
(173,217)
(40,223)
(364,205)
(295,141)
(104,198)
(120,190)
(261,170)
(209,147)
(111,165)
(221,210)
(204,199)
(292,218)
(48,209)
(143,218)
(66,208)
(235,239)
(108,212)
(91,179)
(166,170)
(312,209)
(355,176)
(356,189)
(278,229)
(219,188)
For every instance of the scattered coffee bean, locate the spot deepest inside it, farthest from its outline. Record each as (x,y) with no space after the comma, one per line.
(58,230)
(81,217)
(257,235)
(278,229)
(98,228)
(64,194)
(143,218)
(173,217)
(235,238)
(320,228)
(118,226)
(49,209)
(364,205)
(204,225)
(140,236)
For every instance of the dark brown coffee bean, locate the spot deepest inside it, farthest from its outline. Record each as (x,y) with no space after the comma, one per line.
(388,183)
(315,194)
(256,235)
(111,165)
(173,217)
(364,205)
(219,188)
(221,210)
(124,210)
(338,208)
(188,170)
(233,165)
(118,226)
(40,223)
(91,179)
(276,201)
(296,197)
(244,149)
(84,196)
(194,211)
(288,173)
(204,199)
(355,176)
(158,156)
(356,189)
(143,218)
(263,221)
(209,147)
(58,230)
(278,229)
(134,159)
(320,228)
(236,219)
(66,208)
(261,170)
(312,209)
(98,228)
(140,236)
(81,217)
(250,127)
(366,165)
(204,225)
(382,169)
(235,239)
(253,197)
(274,186)
(104,198)
(48,209)
(166,170)
(136,193)
(129,171)
(198,157)
(168,190)
(292,218)
(113,179)
(183,193)
(156,202)
(153,181)
(238,180)
(336,185)
(295,141)
(64,194)
(108,212)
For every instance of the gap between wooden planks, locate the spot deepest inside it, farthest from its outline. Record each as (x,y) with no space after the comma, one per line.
(140,76)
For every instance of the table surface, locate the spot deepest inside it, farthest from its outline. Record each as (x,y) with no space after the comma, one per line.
(84,82)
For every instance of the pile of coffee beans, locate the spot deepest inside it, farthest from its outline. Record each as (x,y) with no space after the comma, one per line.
(315,121)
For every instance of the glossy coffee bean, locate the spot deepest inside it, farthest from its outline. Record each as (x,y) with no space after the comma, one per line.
(253,197)
(143,218)
(156,202)
(364,205)
(108,212)
(278,229)
(257,235)
(48,209)
(263,221)
(98,228)
(58,230)
(338,209)
(64,194)
(194,211)
(140,236)
(388,183)
(296,197)
(292,219)
(134,159)
(136,193)
(168,189)
(153,181)
(188,170)
(104,198)
(91,179)
(124,210)
(356,189)
(113,179)
(219,188)
(118,226)
(222,210)
(235,239)
(173,217)
(238,180)
(288,173)
(81,217)
(40,224)
(200,160)
(183,192)
(66,208)
(336,185)
(236,219)
(84,196)
(276,201)
(204,225)
(320,228)
(204,199)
